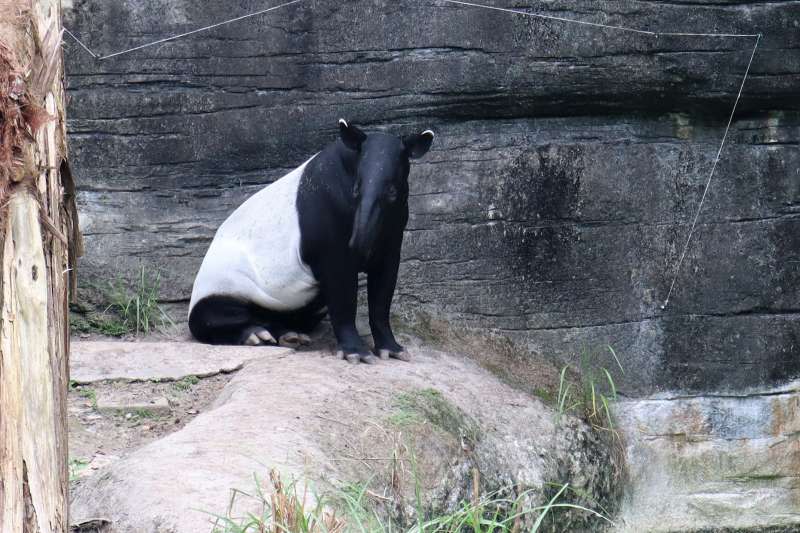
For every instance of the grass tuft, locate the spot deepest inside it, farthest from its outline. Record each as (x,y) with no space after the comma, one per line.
(138,305)
(94,322)
(287,509)
(143,413)
(290,509)
(186,383)
(128,308)
(592,393)
(86,392)
(76,466)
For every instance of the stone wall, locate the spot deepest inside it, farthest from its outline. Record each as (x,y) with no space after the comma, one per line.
(568,163)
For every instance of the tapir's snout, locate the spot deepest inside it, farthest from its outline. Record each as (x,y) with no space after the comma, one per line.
(366,227)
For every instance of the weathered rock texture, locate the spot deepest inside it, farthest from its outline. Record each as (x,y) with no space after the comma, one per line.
(729,463)
(314,418)
(154,361)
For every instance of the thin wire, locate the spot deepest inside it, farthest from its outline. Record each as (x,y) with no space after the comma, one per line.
(711,174)
(180,35)
(80,43)
(597,24)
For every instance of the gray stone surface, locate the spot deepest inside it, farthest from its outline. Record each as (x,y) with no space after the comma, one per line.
(568,163)
(131,406)
(713,463)
(158,361)
(312,417)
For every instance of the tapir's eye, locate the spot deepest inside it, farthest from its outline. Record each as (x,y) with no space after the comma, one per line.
(357,189)
(391,193)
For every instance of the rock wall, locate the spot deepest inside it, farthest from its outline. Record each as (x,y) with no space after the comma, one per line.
(568,164)
(713,463)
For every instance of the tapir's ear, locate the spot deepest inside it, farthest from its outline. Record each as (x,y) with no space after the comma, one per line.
(352,137)
(418,145)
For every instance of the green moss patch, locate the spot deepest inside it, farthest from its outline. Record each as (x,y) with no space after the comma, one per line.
(421,406)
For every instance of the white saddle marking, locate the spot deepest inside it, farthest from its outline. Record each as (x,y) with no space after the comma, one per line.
(255,254)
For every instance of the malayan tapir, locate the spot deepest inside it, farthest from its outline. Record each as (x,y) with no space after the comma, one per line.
(297,246)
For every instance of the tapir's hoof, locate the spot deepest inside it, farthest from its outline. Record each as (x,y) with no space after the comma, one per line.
(292,339)
(352,358)
(369,359)
(401,355)
(258,337)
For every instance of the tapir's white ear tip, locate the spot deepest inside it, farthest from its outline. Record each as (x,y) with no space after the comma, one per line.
(428,132)
(343,122)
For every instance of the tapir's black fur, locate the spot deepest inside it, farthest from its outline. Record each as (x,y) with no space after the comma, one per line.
(352,205)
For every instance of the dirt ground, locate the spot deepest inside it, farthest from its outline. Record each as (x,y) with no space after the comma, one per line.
(98,437)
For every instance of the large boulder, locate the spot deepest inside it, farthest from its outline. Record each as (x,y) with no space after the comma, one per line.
(436,424)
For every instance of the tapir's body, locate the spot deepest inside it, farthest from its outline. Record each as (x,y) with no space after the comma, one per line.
(298,245)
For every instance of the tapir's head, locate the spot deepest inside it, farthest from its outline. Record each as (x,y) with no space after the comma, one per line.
(381,179)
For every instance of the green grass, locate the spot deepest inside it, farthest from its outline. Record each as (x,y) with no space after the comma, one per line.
(102,323)
(292,509)
(354,508)
(76,466)
(544,394)
(128,308)
(137,305)
(286,509)
(186,383)
(86,392)
(143,413)
(592,393)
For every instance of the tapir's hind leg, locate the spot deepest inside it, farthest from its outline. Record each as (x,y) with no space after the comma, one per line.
(226,320)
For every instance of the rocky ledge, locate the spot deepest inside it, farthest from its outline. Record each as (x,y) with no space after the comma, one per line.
(316,419)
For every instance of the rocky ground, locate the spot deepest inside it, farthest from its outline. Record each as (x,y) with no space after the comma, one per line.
(156,448)
(162,431)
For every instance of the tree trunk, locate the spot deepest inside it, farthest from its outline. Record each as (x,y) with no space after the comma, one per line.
(39,242)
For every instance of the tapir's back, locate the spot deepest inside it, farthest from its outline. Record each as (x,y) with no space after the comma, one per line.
(255,254)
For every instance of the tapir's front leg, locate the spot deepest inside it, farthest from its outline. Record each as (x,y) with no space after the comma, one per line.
(381,282)
(339,283)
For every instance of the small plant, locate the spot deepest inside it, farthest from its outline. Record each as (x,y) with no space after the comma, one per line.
(138,306)
(76,466)
(186,383)
(285,510)
(143,413)
(544,394)
(593,394)
(88,393)
(102,323)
